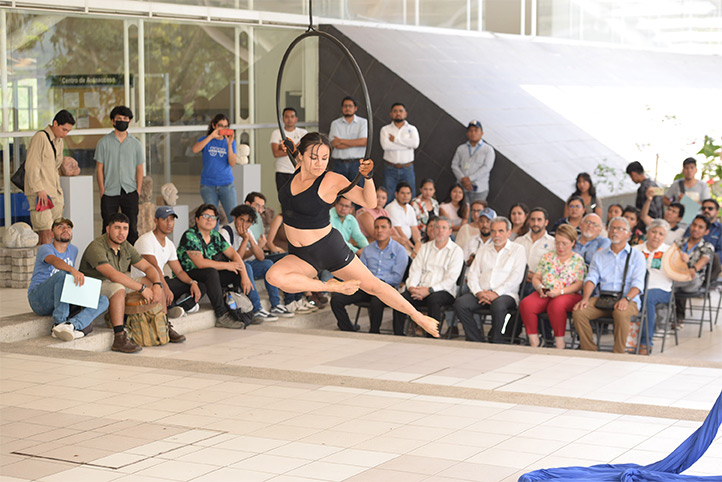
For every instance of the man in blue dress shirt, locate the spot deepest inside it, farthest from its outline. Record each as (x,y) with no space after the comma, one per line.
(348,136)
(590,241)
(605,274)
(387,260)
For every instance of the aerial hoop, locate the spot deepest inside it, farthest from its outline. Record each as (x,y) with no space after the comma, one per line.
(311,32)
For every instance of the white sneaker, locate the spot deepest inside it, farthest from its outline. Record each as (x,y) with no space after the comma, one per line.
(196,308)
(308,305)
(281,311)
(264,315)
(78,334)
(64,331)
(298,307)
(176,312)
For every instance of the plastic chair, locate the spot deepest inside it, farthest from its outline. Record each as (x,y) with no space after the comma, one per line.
(706,294)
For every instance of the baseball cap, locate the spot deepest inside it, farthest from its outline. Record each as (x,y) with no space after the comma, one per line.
(62,221)
(474,123)
(164,211)
(488,213)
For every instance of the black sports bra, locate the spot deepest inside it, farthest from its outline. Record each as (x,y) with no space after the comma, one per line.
(305,210)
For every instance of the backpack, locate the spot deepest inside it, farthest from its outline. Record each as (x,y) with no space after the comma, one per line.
(244,307)
(146,323)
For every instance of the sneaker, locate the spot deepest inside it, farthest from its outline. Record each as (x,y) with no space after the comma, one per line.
(227,321)
(281,311)
(176,312)
(78,334)
(297,308)
(264,315)
(196,308)
(63,331)
(123,344)
(307,304)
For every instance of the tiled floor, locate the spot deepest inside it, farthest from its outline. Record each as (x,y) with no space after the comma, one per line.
(282,404)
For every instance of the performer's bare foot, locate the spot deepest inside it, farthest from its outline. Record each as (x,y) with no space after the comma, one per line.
(344,287)
(430,325)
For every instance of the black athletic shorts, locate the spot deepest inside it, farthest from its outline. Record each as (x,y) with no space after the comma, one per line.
(330,252)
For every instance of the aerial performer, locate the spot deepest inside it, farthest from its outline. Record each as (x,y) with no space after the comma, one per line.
(314,245)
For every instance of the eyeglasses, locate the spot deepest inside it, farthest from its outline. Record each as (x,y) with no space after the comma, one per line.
(476,210)
(591,223)
(258,207)
(210,217)
(709,208)
(618,228)
(575,206)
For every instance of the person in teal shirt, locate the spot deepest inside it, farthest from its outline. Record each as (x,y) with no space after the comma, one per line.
(346,224)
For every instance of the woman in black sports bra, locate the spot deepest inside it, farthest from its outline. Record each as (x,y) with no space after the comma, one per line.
(314,245)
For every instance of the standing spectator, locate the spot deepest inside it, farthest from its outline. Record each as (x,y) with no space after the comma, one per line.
(696,252)
(472,163)
(398,140)
(519,217)
(403,218)
(54,261)
(425,205)
(494,279)
(366,216)
(673,215)
(575,208)
(635,170)
(432,275)
(284,166)
(470,229)
(219,157)
(484,236)
(348,136)
(42,174)
(588,193)
(119,157)
(387,260)
(537,242)
(209,259)
(345,223)
(555,283)
(590,239)
(695,189)
(659,285)
(605,273)
(455,207)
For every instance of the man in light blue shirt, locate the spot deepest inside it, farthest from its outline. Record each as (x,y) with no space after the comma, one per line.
(590,241)
(348,138)
(472,163)
(347,225)
(606,274)
(387,260)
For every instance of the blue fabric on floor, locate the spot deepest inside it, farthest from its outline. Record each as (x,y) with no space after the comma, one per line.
(665,470)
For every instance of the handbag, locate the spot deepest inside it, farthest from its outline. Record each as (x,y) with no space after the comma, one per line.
(18,178)
(607,299)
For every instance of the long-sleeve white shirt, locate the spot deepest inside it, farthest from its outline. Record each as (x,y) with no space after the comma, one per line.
(436,268)
(536,249)
(499,271)
(401,150)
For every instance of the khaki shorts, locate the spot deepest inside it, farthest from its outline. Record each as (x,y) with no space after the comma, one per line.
(43,220)
(108,288)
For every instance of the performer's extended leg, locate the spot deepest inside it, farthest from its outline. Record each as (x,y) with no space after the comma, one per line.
(294,275)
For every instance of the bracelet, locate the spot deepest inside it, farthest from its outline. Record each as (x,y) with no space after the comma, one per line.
(159,284)
(194,282)
(142,288)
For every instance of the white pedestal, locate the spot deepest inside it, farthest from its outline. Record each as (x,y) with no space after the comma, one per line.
(181,224)
(78,194)
(246,178)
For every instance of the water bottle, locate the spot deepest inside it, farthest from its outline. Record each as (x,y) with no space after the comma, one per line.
(230,302)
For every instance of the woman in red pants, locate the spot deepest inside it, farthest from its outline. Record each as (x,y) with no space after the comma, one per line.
(557,281)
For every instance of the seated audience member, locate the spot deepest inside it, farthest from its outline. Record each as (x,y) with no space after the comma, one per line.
(109,258)
(425,205)
(659,285)
(429,230)
(631,214)
(673,215)
(241,239)
(519,217)
(455,208)
(366,216)
(556,284)
(470,229)
(209,259)
(345,223)
(614,211)
(696,252)
(432,275)
(537,242)
(258,202)
(635,170)
(590,240)
(54,261)
(494,279)
(605,274)
(484,236)
(588,193)
(403,218)
(710,210)
(387,260)
(575,207)
(694,188)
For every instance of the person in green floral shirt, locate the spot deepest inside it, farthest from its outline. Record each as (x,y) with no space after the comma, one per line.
(557,281)
(209,259)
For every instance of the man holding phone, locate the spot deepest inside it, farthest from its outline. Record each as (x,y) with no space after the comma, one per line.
(635,170)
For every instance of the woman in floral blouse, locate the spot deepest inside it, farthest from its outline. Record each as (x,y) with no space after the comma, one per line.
(558,278)
(425,206)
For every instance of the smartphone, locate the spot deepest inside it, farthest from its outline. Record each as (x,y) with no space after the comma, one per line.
(226,132)
(545,290)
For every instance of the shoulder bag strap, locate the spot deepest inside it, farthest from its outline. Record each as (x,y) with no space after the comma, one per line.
(626,267)
(51,142)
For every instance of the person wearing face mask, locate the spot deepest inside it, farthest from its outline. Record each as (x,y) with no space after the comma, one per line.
(119,167)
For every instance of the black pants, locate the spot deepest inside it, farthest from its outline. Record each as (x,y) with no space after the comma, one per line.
(182,291)
(339,303)
(468,304)
(212,282)
(127,203)
(282,179)
(434,303)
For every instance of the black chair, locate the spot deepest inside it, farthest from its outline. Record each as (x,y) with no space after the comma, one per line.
(449,314)
(705,293)
(671,317)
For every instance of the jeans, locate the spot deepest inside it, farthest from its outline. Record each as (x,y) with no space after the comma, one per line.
(127,202)
(225,194)
(348,169)
(257,270)
(45,300)
(654,298)
(392,176)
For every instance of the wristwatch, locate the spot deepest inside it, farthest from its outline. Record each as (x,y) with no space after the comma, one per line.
(431,290)
(159,284)
(628,298)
